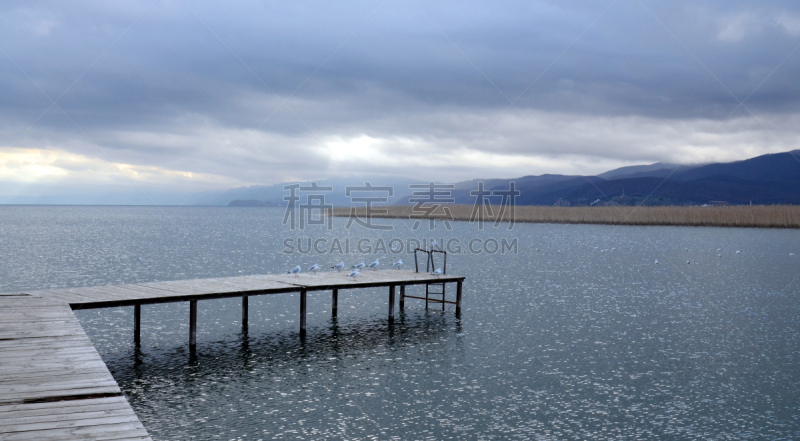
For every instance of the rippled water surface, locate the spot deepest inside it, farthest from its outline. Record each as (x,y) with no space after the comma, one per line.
(579,335)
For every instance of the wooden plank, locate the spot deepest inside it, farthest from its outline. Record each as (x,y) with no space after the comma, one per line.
(180,290)
(71,418)
(89,430)
(28,302)
(330,280)
(46,356)
(69,295)
(57,406)
(44,342)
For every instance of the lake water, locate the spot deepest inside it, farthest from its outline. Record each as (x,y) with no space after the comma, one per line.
(578,335)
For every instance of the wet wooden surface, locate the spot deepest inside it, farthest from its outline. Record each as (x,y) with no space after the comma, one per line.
(199,289)
(55,386)
(53,383)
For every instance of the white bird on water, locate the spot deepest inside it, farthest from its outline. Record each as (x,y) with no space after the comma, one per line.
(360,265)
(374,265)
(397,264)
(656,261)
(438,272)
(738,252)
(314,268)
(338,266)
(294,270)
(354,274)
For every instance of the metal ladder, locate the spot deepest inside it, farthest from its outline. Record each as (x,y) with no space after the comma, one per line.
(429,266)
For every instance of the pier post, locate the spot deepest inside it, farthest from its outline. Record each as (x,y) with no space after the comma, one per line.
(302,313)
(391,303)
(245,312)
(335,302)
(137,324)
(192,322)
(402,297)
(458,297)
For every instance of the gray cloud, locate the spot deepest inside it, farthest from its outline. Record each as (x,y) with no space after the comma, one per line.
(170,94)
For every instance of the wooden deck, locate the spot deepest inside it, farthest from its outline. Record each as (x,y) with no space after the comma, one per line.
(203,289)
(55,386)
(53,383)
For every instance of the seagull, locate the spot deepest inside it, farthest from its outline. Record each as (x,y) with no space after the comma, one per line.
(738,252)
(656,261)
(338,266)
(438,272)
(360,265)
(688,263)
(314,268)
(397,264)
(719,255)
(374,265)
(294,270)
(354,274)
(719,249)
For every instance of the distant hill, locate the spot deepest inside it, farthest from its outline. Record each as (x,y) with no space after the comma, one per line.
(780,167)
(768,179)
(252,203)
(659,169)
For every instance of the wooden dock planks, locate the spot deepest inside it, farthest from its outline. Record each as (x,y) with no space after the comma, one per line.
(108,418)
(53,383)
(55,386)
(185,290)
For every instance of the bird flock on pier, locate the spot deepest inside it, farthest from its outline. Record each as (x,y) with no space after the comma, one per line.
(357,268)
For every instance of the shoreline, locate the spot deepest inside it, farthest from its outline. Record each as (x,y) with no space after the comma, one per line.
(737,216)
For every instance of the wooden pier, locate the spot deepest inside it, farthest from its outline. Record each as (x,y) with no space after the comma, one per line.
(55,386)
(53,383)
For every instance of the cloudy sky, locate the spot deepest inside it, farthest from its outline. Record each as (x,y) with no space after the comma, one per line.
(183,95)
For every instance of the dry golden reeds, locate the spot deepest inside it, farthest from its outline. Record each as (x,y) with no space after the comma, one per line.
(759,216)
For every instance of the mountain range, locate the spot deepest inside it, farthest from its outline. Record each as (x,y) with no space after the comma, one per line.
(768,179)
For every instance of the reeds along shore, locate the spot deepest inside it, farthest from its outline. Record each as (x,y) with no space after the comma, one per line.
(758,216)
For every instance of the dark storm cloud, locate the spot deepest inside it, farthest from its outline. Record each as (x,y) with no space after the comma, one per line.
(169,63)
(172,86)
